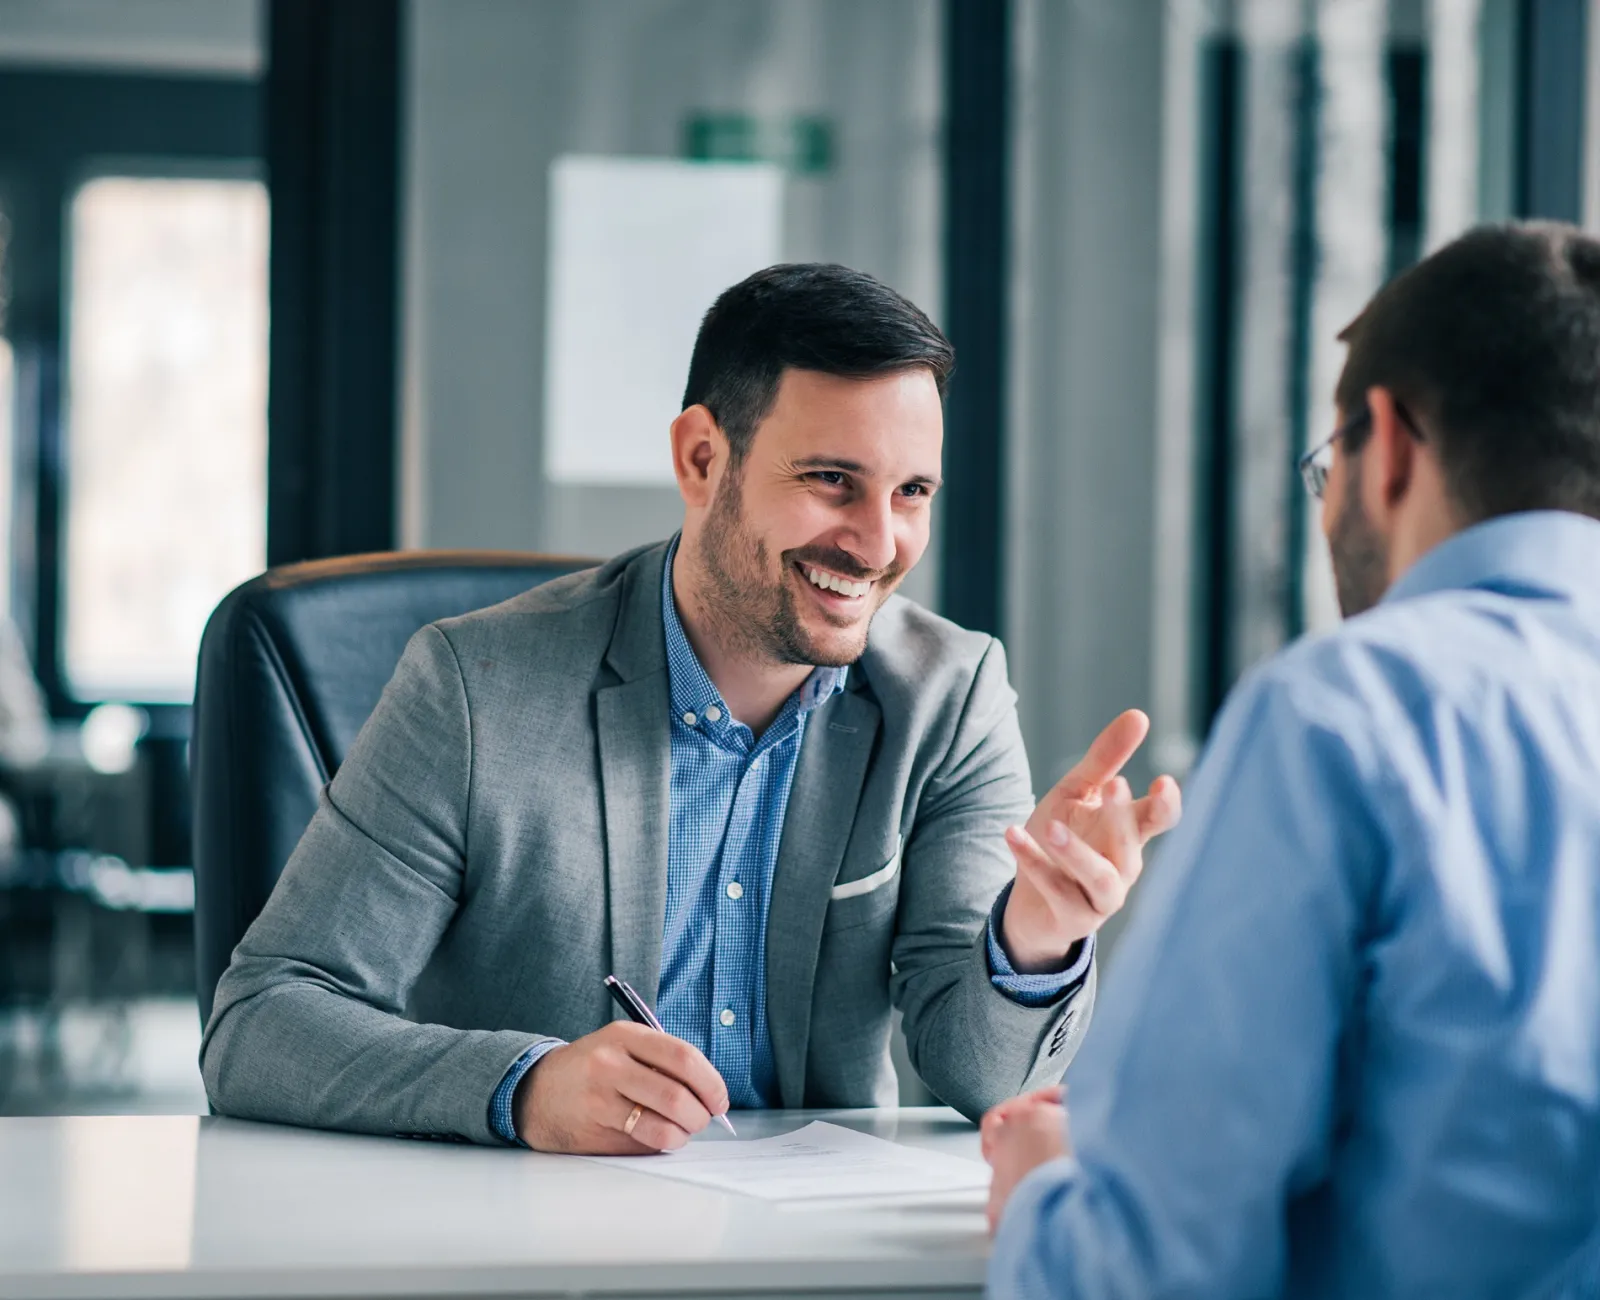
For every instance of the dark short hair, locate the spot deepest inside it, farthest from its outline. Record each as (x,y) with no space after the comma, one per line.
(804,316)
(1493,343)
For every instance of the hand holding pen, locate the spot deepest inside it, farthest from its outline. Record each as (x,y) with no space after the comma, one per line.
(634,1008)
(626,1089)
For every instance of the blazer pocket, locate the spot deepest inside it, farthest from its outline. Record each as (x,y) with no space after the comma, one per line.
(874,880)
(866,901)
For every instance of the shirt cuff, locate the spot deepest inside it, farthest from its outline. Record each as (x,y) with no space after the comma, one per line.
(1033,990)
(501,1119)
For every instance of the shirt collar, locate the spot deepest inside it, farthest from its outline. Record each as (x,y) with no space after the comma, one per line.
(691,687)
(1536,552)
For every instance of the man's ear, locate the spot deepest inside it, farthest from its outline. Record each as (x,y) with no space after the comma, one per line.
(699,450)
(1389,462)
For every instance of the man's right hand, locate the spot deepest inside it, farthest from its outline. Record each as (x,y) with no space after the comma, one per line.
(578,1098)
(1018,1136)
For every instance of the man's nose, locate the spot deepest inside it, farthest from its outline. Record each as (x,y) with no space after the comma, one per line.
(870,537)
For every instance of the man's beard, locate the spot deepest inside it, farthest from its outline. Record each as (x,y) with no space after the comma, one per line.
(1360,558)
(755,617)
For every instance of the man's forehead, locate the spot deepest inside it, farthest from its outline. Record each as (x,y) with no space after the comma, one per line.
(879,424)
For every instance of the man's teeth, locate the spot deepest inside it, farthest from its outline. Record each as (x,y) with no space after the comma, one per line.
(833,582)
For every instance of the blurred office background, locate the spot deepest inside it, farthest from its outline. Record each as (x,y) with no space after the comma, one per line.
(482,232)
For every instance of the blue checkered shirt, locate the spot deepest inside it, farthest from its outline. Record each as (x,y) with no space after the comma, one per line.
(729,791)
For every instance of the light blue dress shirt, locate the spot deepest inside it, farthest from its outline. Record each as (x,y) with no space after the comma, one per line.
(1351,1044)
(728,794)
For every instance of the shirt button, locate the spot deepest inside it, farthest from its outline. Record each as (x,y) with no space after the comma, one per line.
(713,714)
(689,719)
(727,1017)
(735,890)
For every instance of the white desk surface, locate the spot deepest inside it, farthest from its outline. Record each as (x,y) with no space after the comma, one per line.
(134,1207)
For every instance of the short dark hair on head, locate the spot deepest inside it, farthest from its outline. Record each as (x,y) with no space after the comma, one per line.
(1494,343)
(804,316)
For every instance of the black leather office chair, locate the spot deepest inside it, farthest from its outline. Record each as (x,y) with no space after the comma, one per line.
(291,664)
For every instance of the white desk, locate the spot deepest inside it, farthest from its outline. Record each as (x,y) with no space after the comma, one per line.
(135,1207)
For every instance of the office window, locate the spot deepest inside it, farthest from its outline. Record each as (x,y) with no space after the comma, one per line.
(166,424)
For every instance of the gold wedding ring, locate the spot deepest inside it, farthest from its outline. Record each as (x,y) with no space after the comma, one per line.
(633,1119)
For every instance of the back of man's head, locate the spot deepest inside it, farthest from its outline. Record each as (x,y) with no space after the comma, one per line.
(804,316)
(1494,343)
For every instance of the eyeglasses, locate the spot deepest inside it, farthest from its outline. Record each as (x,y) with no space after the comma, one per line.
(1316,464)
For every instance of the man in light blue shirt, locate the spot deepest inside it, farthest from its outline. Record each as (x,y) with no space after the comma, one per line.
(1351,1046)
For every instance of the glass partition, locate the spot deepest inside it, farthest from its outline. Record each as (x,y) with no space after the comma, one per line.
(583,179)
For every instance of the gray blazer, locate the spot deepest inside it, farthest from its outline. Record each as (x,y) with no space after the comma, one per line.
(495,843)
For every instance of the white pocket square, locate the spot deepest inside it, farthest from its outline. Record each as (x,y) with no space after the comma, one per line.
(877,880)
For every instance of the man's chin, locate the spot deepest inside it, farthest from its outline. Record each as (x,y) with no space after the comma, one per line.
(829,646)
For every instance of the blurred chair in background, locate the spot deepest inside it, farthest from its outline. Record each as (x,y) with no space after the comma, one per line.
(56,799)
(24,733)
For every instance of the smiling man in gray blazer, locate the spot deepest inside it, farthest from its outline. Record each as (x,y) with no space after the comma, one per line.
(732,769)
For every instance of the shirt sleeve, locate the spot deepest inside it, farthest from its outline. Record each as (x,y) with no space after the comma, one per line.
(1204,1102)
(1579,1279)
(1033,990)
(501,1118)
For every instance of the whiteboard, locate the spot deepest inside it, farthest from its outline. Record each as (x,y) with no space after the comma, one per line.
(639,249)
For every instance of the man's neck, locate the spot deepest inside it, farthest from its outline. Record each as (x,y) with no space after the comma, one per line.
(754,690)
(1430,521)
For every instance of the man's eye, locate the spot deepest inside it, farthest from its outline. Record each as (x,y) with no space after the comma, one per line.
(915,490)
(830,477)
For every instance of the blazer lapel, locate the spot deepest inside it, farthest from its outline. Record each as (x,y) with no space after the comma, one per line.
(816,830)
(631,719)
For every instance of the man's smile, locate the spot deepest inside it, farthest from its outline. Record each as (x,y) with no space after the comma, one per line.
(834,590)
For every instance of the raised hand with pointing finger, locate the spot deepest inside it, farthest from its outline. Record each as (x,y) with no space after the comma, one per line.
(1082,850)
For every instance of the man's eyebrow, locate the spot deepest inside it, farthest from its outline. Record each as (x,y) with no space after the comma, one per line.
(856,467)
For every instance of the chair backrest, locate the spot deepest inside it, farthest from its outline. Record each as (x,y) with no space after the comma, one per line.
(291,665)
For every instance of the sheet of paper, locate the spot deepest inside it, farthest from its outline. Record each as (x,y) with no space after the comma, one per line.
(819,1161)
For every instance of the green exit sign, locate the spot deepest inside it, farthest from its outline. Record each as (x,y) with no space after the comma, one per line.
(801,144)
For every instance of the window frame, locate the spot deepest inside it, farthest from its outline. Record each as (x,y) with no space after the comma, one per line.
(55,125)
